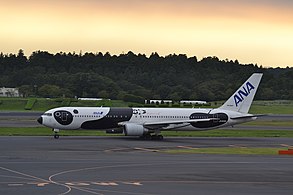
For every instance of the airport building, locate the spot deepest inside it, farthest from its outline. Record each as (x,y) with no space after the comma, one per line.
(9,92)
(158,101)
(93,99)
(192,102)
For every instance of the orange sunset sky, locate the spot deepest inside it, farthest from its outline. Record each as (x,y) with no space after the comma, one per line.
(252,31)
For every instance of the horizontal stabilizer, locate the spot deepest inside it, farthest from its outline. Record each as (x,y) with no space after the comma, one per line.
(248,116)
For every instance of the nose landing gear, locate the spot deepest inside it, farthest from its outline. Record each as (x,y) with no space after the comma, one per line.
(56,135)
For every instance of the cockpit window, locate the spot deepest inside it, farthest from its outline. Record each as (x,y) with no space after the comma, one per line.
(47,114)
(75,111)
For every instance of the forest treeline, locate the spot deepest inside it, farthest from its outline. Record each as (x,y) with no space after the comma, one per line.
(135,77)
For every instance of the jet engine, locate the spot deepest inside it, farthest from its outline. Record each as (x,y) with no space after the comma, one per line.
(134,130)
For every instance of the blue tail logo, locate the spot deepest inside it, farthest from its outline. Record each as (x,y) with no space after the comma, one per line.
(242,93)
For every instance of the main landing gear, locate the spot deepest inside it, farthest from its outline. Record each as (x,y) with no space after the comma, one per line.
(56,135)
(151,137)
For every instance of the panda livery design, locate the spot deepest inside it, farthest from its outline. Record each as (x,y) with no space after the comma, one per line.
(149,122)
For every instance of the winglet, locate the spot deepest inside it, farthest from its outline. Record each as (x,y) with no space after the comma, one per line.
(241,100)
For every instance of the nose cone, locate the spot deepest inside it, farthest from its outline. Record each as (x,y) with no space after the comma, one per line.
(40,120)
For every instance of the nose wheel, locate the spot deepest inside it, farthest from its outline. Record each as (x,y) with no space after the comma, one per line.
(56,135)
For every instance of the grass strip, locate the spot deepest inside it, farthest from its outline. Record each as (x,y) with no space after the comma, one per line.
(43,131)
(231,133)
(273,109)
(270,123)
(30,104)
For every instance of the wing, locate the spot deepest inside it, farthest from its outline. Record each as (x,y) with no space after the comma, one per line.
(167,125)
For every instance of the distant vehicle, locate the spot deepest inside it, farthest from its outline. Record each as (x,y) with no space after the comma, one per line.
(148,123)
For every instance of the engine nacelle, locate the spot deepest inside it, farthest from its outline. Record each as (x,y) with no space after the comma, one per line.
(134,130)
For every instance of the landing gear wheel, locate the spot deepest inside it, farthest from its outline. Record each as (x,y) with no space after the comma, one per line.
(157,137)
(146,137)
(56,136)
(56,131)
(151,137)
(160,137)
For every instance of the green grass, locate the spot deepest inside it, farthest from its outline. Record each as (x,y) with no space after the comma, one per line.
(274,107)
(227,150)
(271,109)
(270,123)
(30,104)
(11,131)
(84,103)
(231,133)
(43,131)
(266,106)
(13,104)
(43,104)
(66,102)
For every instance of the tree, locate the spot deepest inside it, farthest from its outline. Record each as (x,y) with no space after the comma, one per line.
(49,91)
(103,94)
(26,90)
(155,77)
(133,98)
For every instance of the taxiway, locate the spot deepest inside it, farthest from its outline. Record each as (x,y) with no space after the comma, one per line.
(122,165)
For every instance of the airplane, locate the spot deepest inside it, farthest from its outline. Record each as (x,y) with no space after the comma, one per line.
(147,123)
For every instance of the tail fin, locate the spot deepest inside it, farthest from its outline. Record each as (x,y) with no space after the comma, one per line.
(241,100)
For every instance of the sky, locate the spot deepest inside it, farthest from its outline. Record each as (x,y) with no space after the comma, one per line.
(251,31)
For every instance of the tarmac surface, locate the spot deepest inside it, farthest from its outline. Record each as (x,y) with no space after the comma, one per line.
(19,119)
(123,165)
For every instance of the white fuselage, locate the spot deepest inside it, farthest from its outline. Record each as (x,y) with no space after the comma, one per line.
(101,118)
